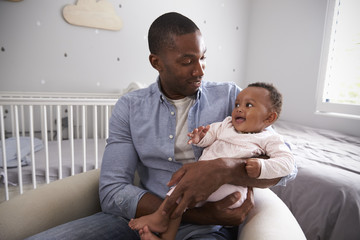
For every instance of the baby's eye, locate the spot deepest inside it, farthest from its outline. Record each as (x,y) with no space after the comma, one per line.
(237,105)
(249,105)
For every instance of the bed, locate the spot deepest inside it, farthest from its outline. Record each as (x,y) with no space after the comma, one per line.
(325,196)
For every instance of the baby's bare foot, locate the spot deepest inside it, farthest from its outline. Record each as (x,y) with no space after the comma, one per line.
(155,223)
(146,234)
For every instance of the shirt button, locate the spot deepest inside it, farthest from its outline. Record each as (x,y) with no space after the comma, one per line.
(169,159)
(171,136)
(172,113)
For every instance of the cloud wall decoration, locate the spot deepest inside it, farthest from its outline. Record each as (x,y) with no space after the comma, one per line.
(92,13)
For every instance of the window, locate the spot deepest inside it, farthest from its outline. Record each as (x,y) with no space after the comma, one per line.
(339,77)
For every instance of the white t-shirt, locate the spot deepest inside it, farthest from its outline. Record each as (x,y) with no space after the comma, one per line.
(183,151)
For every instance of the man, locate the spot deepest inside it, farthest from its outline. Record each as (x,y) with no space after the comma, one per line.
(148,134)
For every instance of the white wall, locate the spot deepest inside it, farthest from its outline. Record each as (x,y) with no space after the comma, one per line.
(35,38)
(277,41)
(284,47)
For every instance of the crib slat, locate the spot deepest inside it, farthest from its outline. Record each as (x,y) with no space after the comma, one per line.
(32,147)
(77,123)
(59,136)
(18,149)
(102,121)
(106,122)
(22,118)
(51,123)
(3,147)
(71,138)
(12,120)
(84,136)
(45,139)
(95,133)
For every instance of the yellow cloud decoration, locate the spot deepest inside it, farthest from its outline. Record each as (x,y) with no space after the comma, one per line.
(92,13)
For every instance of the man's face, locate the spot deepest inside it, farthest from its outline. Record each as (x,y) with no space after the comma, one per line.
(181,67)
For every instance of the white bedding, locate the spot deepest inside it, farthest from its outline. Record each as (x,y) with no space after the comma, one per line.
(40,161)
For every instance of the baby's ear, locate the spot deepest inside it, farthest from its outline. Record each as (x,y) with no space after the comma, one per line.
(271,118)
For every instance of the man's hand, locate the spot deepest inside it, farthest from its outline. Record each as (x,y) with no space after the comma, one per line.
(218,212)
(195,182)
(197,134)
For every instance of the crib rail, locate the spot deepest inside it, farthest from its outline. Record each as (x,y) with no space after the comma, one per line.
(52,118)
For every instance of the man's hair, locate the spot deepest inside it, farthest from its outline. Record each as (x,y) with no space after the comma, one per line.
(166,26)
(275,95)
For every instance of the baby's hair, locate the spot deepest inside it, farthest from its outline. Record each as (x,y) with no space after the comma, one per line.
(275,95)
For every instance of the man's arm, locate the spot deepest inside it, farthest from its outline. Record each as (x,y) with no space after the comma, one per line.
(208,176)
(118,195)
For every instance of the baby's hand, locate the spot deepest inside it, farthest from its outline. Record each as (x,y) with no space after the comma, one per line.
(253,167)
(197,134)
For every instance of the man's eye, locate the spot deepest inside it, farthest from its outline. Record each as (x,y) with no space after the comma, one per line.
(186,62)
(249,105)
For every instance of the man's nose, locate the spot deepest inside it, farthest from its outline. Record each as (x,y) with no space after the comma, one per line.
(199,69)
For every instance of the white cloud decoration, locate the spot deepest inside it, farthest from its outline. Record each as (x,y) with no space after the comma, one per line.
(91,13)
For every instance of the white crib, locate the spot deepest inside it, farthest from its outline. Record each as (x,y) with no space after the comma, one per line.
(36,150)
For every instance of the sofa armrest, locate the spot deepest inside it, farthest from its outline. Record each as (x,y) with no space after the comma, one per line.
(270,219)
(50,205)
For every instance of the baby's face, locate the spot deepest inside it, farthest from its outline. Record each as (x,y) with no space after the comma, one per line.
(251,110)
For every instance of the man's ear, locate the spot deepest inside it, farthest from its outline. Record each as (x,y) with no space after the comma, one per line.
(155,62)
(271,118)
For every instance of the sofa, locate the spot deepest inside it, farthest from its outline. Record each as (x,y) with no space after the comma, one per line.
(77,196)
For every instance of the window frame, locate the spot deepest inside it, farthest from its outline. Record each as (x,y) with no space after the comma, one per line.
(328,108)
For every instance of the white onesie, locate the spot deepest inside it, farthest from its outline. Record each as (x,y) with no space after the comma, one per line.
(223,141)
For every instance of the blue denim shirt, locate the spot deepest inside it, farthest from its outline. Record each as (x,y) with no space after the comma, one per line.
(142,137)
